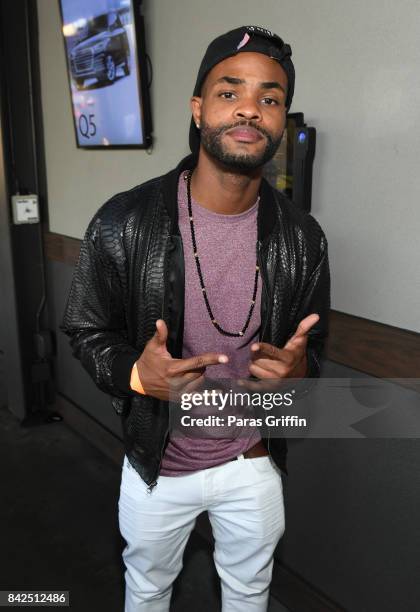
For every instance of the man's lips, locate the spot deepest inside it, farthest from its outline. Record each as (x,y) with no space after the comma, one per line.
(245,134)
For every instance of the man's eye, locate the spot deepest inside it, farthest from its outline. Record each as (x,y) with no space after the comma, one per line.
(227,94)
(270,101)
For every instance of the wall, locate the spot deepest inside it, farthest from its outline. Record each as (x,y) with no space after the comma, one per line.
(71,380)
(357,82)
(351,525)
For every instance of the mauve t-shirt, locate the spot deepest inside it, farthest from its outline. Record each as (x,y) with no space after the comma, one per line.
(226,245)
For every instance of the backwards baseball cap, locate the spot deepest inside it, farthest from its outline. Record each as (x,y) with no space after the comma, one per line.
(245,38)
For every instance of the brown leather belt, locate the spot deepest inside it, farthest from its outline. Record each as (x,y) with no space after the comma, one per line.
(258,450)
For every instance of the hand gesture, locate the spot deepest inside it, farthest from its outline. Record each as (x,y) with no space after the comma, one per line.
(272,364)
(164,377)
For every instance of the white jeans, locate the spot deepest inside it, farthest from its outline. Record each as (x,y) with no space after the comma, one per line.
(244,500)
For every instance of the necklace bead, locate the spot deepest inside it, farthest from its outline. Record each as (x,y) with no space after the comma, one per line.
(187,177)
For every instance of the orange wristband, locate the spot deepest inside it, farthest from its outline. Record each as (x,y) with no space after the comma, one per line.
(135,382)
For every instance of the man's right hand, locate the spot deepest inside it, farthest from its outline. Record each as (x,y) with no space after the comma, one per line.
(164,377)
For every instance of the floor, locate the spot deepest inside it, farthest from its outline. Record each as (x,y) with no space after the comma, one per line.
(59,529)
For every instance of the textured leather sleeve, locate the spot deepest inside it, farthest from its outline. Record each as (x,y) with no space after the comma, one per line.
(316,299)
(94,316)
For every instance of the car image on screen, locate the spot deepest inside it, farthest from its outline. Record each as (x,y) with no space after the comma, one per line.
(102,49)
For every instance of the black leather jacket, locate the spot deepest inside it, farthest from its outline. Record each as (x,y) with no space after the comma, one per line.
(130,273)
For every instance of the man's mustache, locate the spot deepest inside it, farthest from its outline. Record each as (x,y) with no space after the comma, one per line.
(242,123)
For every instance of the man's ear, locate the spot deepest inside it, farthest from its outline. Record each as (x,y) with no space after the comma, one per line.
(195,104)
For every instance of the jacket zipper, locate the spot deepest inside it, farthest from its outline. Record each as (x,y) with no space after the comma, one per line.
(154,482)
(265,290)
(264,287)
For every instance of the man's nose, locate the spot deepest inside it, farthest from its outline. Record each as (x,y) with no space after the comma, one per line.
(248,109)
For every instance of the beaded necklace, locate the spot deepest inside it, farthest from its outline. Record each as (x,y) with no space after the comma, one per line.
(200,275)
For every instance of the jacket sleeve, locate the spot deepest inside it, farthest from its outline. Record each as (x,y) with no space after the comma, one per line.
(94,317)
(316,299)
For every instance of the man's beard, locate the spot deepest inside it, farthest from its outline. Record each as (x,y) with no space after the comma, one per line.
(211,139)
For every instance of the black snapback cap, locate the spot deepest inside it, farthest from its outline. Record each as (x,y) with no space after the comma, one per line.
(246,38)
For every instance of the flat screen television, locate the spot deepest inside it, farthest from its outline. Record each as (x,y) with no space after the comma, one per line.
(106,62)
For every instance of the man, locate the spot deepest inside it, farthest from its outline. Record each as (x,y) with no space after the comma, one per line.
(205,272)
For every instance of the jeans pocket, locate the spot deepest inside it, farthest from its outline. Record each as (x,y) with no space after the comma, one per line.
(265,467)
(261,464)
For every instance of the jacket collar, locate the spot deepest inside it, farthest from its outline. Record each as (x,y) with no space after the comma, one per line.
(267,217)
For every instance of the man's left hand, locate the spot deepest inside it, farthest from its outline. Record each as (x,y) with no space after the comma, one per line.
(270,362)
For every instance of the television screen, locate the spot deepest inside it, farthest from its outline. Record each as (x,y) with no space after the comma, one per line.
(106,60)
